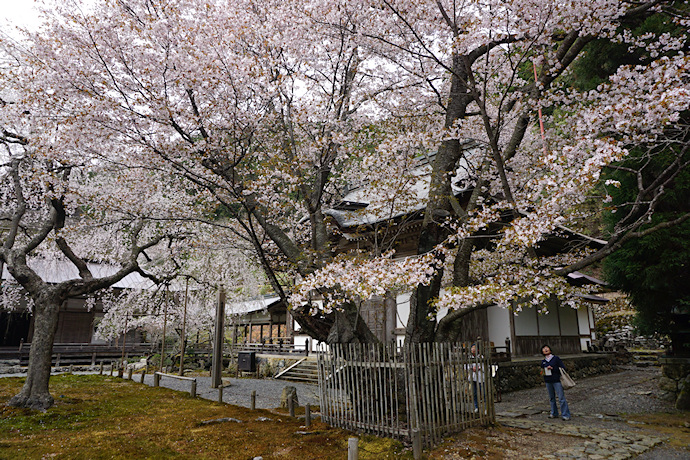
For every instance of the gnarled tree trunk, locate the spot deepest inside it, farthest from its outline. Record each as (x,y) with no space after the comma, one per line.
(35,394)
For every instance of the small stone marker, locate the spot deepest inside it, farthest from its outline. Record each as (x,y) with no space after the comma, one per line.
(289,392)
(416,444)
(221,420)
(252,404)
(352,449)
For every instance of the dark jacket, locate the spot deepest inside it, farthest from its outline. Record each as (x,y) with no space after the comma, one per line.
(557,364)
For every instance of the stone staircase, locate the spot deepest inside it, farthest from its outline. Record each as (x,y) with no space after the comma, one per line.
(646,358)
(305,370)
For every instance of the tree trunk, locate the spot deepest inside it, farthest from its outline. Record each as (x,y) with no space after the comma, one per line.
(34,394)
(350,327)
(421,325)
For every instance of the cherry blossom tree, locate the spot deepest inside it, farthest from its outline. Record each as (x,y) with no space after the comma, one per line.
(268,110)
(187,301)
(46,219)
(64,204)
(495,68)
(253,118)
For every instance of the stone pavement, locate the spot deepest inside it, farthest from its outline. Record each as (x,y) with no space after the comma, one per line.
(600,443)
(599,406)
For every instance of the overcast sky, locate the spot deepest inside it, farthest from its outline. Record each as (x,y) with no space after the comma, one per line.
(17,13)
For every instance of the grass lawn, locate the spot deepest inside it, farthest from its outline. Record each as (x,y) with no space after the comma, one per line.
(105,417)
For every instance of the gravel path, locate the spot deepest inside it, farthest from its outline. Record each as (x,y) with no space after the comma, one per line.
(238,391)
(629,391)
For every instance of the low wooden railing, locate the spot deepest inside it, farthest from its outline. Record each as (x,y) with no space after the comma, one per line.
(157,378)
(271,347)
(78,353)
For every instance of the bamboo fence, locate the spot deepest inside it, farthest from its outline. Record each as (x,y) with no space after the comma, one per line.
(389,391)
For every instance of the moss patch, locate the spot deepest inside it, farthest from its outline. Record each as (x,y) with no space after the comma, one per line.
(674,425)
(104,417)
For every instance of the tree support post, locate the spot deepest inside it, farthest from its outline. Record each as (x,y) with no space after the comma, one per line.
(217,363)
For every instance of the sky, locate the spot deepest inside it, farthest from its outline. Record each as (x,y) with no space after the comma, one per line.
(17,13)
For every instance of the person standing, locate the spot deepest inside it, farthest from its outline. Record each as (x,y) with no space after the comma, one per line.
(476,376)
(551,369)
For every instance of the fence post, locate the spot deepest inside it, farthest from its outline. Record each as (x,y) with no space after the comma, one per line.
(100,371)
(93,359)
(307,416)
(416,444)
(220,394)
(156,379)
(352,449)
(291,407)
(253,400)
(192,391)
(71,369)
(57,360)
(143,374)
(129,373)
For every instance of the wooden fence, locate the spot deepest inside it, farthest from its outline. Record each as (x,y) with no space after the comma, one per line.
(389,391)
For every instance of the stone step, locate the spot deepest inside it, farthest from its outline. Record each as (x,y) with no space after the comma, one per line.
(306,371)
(301,372)
(645,360)
(300,379)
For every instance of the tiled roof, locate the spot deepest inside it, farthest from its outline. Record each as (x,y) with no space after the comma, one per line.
(57,271)
(352,210)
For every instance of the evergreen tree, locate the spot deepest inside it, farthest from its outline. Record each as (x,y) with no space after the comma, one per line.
(653,269)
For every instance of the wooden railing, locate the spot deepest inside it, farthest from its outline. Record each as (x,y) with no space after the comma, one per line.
(157,378)
(276,347)
(78,353)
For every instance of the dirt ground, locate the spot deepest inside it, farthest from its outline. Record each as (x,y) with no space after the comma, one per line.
(501,442)
(623,402)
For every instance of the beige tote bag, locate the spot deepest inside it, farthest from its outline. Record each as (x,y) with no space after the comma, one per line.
(566,381)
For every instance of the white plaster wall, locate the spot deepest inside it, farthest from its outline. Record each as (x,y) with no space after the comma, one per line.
(301,340)
(403,303)
(569,321)
(499,325)
(583,343)
(402,315)
(525,322)
(548,323)
(583,320)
